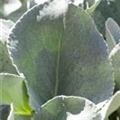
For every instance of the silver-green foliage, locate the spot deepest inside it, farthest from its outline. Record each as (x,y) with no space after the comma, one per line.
(58,51)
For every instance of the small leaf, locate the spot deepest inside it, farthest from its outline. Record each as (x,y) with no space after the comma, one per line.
(13,90)
(93,5)
(112,33)
(106,9)
(113,39)
(88,5)
(68,108)
(112,106)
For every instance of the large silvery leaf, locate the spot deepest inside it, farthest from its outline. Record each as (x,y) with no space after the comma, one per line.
(112,106)
(13,91)
(68,108)
(58,49)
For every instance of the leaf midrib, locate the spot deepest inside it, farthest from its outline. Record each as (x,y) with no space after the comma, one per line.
(57,69)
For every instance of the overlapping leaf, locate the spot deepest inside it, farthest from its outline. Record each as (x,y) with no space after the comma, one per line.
(106,9)
(5,62)
(68,108)
(112,33)
(93,4)
(88,5)
(112,106)
(13,91)
(113,39)
(59,50)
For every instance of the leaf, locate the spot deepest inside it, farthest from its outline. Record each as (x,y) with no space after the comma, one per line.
(112,106)
(60,52)
(93,5)
(112,33)
(11,114)
(88,5)
(68,108)
(5,62)
(4,112)
(106,9)
(113,29)
(23,117)
(113,39)
(13,90)
(115,58)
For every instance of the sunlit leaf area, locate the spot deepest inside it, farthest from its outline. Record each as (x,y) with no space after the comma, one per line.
(59,59)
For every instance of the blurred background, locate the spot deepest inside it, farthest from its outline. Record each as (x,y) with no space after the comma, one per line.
(13,9)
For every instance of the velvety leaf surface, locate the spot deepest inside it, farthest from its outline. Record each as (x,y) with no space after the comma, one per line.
(4,111)
(68,108)
(59,51)
(113,38)
(112,106)
(13,90)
